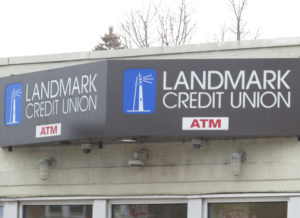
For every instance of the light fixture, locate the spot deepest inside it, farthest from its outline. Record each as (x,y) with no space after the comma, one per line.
(44,165)
(139,158)
(127,140)
(236,160)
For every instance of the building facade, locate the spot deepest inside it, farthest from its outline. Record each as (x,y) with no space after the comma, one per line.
(182,177)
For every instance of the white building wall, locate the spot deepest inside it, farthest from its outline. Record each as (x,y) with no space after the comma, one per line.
(272,164)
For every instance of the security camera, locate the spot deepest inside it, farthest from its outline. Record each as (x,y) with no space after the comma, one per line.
(86,148)
(198,143)
(100,144)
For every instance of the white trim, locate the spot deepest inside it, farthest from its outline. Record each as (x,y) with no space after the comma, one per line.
(102,198)
(245,199)
(164,197)
(100,209)
(194,208)
(10,210)
(57,202)
(149,201)
(250,195)
(294,207)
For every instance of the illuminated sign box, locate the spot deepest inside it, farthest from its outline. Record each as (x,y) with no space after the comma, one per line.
(235,98)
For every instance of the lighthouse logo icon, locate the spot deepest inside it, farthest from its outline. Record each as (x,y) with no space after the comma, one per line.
(13,104)
(139,91)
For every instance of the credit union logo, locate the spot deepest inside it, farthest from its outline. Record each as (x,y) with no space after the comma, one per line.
(13,104)
(139,91)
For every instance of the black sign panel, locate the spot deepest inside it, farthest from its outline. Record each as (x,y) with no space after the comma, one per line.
(242,97)
(53,105)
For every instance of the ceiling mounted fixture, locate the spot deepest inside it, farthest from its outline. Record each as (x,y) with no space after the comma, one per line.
(44,165)
(139,158)
(127,140)
(236,160)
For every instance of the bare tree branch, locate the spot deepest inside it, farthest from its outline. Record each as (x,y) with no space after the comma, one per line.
(238,7)
(175,28)
(136,27)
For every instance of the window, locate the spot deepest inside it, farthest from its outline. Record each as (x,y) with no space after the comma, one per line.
(57,211)
(248,210)
(149,211)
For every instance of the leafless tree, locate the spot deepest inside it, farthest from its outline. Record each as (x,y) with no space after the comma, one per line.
(136,27)
(238,28)
(158,25)
(175,28)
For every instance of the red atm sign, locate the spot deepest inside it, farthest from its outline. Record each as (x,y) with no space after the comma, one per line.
(48,130)
(205,123)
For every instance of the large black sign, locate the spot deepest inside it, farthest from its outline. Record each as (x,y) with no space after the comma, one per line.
(242,97)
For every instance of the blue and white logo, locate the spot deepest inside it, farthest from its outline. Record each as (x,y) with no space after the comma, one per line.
(139,91)
(13,104)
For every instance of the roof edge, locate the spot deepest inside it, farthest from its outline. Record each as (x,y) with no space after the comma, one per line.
(144,52)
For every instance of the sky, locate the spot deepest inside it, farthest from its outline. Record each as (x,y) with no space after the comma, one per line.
(35,27)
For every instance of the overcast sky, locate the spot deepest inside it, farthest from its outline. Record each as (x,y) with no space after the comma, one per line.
(33,27)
